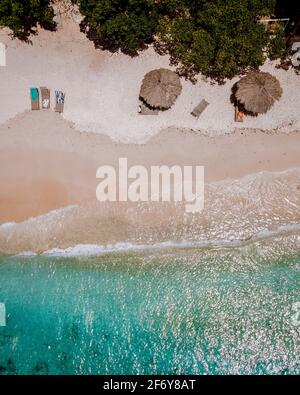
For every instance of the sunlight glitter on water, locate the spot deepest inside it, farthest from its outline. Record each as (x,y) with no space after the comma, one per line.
(201,310)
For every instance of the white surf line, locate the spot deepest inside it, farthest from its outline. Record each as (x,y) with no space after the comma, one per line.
(97,249)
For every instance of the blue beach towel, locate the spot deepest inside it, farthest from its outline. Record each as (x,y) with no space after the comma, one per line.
(59,97)
(34,93)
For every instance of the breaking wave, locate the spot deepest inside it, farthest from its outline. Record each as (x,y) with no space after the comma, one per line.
(236,212)
(95,249)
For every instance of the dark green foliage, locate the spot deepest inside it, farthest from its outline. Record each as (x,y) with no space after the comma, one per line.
(21,16)
(218,38)
(277,45)
(125,24)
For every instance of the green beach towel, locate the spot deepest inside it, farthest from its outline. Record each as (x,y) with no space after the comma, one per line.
(34,93)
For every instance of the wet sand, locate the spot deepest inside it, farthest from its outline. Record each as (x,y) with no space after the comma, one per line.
(47,164)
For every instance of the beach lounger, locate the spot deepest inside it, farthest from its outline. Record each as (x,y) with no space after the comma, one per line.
(45,93)
(239,115)
(198,110)
(34,95)
(59,101)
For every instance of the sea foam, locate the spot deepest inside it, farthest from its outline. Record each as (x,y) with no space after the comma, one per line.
(96,249)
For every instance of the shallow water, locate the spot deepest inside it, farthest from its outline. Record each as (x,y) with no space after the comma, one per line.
(203,310)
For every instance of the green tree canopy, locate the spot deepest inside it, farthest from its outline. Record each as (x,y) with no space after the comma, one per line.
(220,38)
(114,24)
(217,38)
(21,16)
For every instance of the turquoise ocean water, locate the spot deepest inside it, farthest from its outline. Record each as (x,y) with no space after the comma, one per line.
(180,311)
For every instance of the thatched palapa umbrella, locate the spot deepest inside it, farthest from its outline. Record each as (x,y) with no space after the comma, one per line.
(258,91)
(160,88)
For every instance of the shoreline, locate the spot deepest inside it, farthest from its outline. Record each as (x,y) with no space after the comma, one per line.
(48,184)
(91,250)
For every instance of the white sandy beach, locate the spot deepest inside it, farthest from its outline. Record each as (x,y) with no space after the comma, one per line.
(102,89)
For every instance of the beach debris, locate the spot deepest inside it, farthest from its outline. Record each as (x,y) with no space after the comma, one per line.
(272,25)
(2,54)
(198,110)
(57,16)
(45,93)
(59,101)
(34,95)
(66,9)
(295,59)
(2,314)
(258,91)
(76,15)
(160,88)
